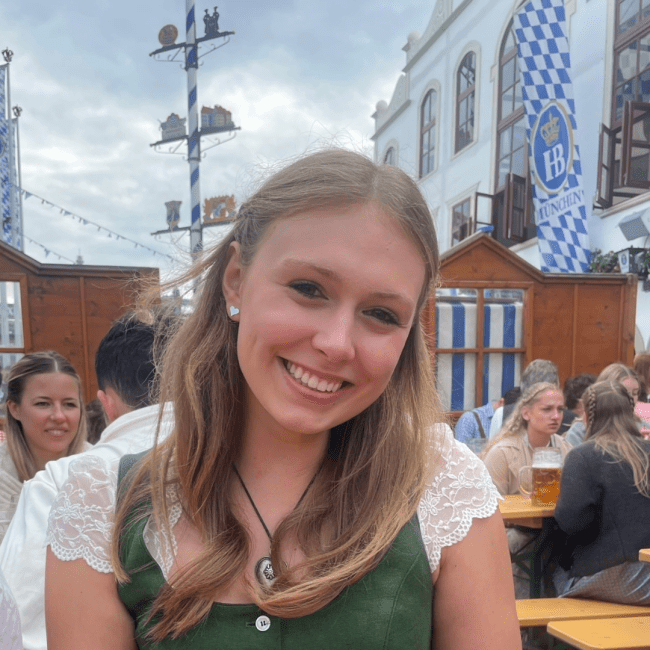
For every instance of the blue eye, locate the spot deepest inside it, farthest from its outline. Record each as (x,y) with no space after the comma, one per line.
(308,289)
(384,316)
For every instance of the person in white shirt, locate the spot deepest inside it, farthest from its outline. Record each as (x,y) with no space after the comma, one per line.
(125,373)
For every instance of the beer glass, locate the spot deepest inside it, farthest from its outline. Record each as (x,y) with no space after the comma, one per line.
(546,472)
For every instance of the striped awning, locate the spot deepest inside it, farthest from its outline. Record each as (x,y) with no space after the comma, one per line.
(456,328)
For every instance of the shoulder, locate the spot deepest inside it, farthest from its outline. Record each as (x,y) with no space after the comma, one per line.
(6,463)
(459,490)
(81,518)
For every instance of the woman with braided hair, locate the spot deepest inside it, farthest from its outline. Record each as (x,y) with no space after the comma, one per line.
(604,503)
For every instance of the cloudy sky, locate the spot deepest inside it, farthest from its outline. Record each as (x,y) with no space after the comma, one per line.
(297,74)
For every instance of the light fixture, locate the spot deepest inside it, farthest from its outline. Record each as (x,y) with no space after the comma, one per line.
(635,225)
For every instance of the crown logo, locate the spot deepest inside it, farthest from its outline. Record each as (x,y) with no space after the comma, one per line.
(551,130)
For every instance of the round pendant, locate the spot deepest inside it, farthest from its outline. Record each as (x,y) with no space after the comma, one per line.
(264,572)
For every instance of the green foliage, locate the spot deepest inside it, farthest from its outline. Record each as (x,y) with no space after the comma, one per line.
(604,262)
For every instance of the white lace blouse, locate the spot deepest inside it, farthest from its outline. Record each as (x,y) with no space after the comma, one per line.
(81,518)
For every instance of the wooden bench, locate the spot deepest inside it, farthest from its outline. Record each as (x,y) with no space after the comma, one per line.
(630,633)
(538,612)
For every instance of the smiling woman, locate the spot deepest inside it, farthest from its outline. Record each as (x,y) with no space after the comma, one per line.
(45,421)
(309,486)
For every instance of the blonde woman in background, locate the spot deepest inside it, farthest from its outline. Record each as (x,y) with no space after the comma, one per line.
(45,421)
(534,423)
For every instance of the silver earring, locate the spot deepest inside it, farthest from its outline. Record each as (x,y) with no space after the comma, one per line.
(233,311)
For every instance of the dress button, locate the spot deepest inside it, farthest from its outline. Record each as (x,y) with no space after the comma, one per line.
(263,623)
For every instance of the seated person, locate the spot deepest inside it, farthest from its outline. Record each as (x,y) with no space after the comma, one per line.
(538,370)
(534,423)
(475,424)
(604,494)
(574,387)
(614,372)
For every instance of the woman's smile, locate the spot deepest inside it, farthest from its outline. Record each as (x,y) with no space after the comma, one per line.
(311,379)
(326,306)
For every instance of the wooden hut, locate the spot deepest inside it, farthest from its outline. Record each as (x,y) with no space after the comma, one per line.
(66,308)
(494,313)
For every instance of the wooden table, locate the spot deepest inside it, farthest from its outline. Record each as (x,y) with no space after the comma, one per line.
(519,510)
(644,555)
(631,633)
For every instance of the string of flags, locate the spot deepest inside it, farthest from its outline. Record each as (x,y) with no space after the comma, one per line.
(88,222)
(48,250)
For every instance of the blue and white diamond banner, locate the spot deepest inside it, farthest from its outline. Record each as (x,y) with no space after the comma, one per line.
(556,174)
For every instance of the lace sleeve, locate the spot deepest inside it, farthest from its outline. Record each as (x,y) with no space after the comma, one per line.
(81,520)
(460,491)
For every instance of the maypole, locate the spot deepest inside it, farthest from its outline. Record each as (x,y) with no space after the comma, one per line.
(173,129)
(193,141)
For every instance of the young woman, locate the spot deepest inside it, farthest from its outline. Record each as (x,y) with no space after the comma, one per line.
(605,493)
(45,421)
(534,423)
(307,496)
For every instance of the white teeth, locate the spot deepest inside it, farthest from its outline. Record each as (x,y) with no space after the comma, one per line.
(312,381)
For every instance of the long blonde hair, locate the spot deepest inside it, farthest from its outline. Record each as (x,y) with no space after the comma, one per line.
(376,464)
(611,424)
(28,366)
(516,425)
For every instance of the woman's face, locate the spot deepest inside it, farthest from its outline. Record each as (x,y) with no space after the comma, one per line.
(326,307)
(544,417)
(49,412)
(632,386)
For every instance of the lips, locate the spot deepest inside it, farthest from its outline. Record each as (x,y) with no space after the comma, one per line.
(311,379)
(56,433)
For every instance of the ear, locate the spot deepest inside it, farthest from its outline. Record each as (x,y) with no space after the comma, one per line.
(108,404)
(14,409)
(525,414)
(233,278)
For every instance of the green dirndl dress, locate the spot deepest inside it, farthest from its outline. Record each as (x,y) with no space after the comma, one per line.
(390,608)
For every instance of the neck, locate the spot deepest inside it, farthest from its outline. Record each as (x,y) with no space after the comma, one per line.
(268,457)
(537,439)
(43,459)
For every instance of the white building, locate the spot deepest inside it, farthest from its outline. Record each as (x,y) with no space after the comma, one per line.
(456,123)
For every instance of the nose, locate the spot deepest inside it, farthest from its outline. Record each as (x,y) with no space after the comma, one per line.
(335,336)
(57,413)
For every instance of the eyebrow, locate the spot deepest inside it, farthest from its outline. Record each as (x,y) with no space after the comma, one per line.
(333,275)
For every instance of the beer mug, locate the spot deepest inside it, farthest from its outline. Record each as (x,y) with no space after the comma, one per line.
(546,472)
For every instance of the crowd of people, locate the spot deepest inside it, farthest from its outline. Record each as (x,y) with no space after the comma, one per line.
(599,427)
(279,472)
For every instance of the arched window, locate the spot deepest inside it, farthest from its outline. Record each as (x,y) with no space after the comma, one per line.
(511,128)
(389,158)
(513,215)
(428,133)
(465,93)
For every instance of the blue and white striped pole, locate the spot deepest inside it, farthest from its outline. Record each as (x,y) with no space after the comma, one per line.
(193,141)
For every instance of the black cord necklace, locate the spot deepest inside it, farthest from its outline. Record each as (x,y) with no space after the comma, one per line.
(264,568)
